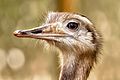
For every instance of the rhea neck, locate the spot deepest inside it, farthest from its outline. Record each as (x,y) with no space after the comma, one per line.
(75,65)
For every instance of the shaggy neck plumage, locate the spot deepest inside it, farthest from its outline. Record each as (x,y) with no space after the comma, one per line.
(75,67)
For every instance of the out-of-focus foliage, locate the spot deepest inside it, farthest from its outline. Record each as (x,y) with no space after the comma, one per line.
(29,59)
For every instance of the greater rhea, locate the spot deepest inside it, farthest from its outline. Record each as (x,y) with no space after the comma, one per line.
(76,37)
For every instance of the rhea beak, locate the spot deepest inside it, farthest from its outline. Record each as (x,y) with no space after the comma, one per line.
(43,32)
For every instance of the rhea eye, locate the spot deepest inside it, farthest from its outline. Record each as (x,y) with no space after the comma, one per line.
(72,25)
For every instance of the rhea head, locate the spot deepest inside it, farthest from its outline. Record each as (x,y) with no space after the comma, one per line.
(75,35)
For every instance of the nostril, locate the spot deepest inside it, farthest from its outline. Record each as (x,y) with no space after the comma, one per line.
(36,31)
(22,32)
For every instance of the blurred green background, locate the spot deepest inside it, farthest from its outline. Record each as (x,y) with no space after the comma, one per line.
(30,59)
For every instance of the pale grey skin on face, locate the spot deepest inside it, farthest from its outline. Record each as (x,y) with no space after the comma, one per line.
(79,46)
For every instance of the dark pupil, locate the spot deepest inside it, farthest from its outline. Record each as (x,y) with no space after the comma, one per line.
(72,25)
